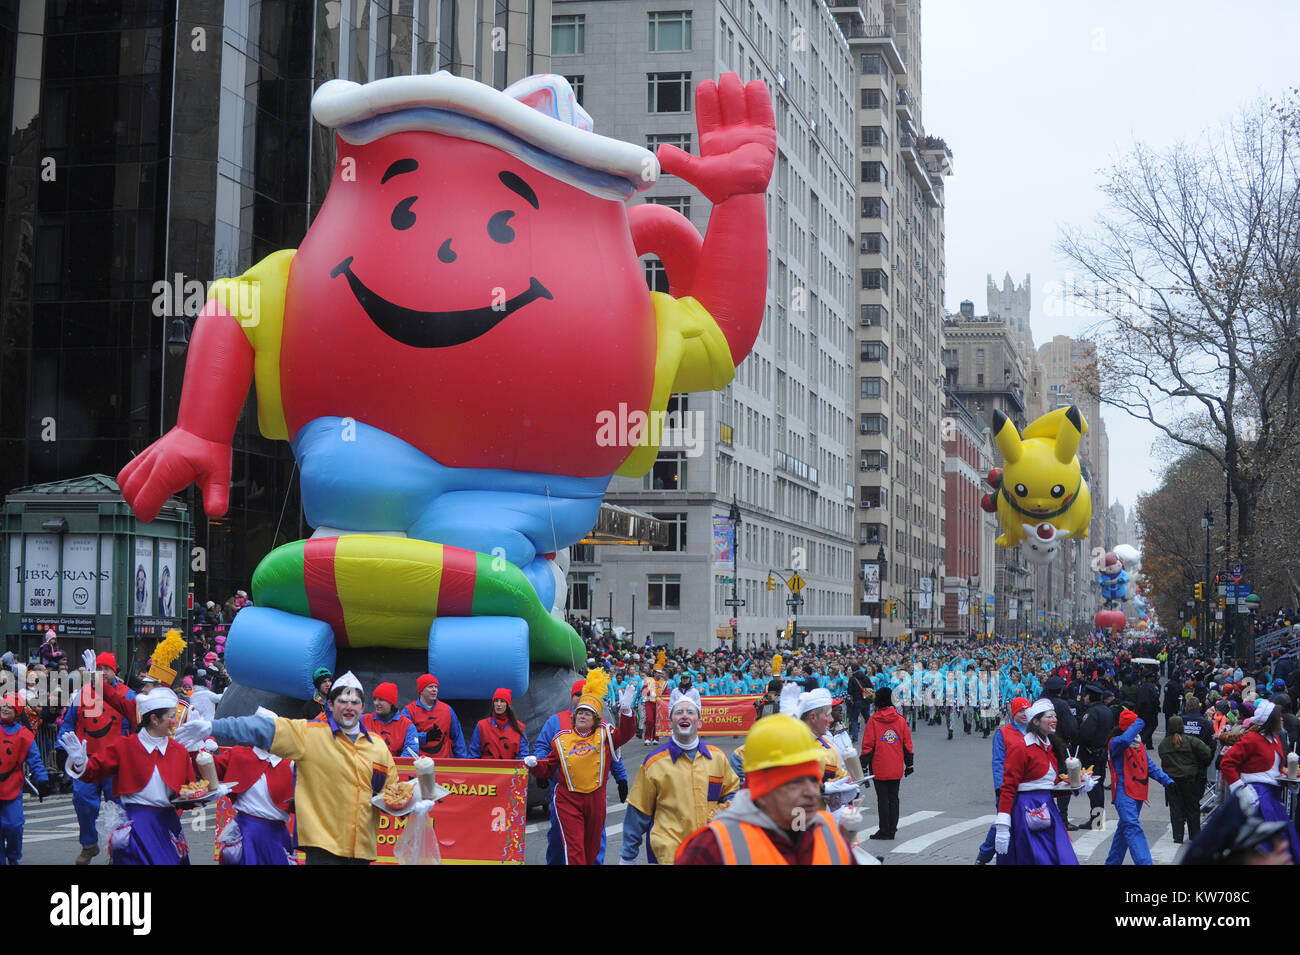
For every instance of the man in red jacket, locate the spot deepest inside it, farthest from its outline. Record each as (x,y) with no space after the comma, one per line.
(392,724)
(887,752)
(435,721)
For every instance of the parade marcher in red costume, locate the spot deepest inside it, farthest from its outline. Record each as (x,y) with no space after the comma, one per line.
(581,759)
(1255,763)
(263,799)
(435,721)
(1130,769)
(97,717)
(392,724)
(149,769)
(1030,830)
(500,735)
(17,746)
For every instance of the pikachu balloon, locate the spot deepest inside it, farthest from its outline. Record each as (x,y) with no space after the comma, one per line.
(1039,494)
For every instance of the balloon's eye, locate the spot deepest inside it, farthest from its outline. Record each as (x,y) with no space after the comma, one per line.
(499,228)
(403,217)
(1021,490)
(1058,490)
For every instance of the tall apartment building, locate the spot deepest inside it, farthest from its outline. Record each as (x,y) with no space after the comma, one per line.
(144,141)
(970,530)
(779,439)
(900,288)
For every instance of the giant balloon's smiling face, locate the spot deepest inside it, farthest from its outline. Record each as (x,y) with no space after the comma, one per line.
(469,304)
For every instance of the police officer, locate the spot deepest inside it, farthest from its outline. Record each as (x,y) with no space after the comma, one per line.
(1148,704)
(1093,735)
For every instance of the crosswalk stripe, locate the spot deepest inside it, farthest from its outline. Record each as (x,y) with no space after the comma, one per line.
(543,826)
(910,819)
(921,843)
(1164,850)
(1091,840)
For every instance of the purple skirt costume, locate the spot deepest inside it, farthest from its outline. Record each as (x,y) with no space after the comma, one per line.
(1050,846)
(153,837)
(1272,809)
(263,842)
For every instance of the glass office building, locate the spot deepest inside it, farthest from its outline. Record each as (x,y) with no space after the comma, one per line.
(147,143)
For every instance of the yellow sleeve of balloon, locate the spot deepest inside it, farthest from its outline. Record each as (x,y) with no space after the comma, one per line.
(692,355)
(256,300)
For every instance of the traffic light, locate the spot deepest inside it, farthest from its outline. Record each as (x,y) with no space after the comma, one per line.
(893,608)
(1223,603)
(771,581)
(1199,590)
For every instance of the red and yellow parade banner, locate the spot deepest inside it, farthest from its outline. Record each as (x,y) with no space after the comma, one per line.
(720,716)
(480,822)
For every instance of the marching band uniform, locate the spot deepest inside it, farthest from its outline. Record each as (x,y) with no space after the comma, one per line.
(1256,761)
(582,765)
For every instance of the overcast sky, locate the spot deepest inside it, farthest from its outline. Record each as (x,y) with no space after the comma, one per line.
(1035,97)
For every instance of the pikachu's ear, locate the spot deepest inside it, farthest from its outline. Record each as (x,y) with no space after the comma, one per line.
(1067,439)
(1007,438)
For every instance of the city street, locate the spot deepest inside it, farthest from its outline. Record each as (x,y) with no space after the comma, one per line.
(946,809)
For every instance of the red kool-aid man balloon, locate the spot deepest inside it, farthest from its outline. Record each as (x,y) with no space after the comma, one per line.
(465,302)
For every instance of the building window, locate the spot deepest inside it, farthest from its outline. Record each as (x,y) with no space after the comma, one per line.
(580,594)
(676,526)
(979,354)
(874,388)
(875,351)
(668,92)
(656,276)
(875,497)
(578,83)
(873,207)
(668,473)
(582,554)
(670,31)
(875,243)
(680,204)
(979,379)
(872,533)
(874,64)
(875,279)
(874,461)
(681,140)
(875,315)
(568,35)
(875,172)
(664,592)
(872,99)
(874,136)
(875,424)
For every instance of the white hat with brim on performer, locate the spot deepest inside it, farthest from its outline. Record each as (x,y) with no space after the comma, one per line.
(160,698)
(348,679)
(691,698)
(1038,708)
(814,700)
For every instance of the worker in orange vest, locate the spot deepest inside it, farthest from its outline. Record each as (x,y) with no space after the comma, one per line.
(778,819)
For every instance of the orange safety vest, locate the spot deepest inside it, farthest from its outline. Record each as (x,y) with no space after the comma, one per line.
(743,843)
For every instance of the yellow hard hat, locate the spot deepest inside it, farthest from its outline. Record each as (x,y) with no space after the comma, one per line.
(779,740)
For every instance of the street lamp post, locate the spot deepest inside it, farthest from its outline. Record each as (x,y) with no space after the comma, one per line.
(934,576)
(880,597)
(735,554)
(971,581)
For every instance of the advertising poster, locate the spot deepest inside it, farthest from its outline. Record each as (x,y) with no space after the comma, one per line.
(41,573)
(142,589)
(166,578)
(80,583)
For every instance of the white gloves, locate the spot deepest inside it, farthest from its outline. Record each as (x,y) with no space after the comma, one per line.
(1089,784)
(1245,794)
(530,761)
(852,819)
(192,733)
(75,749)
(1002,835)
(1002,840)
(627,699)
(88,660)
(210,745)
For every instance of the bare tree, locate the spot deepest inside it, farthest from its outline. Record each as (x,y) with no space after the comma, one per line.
(1195,267)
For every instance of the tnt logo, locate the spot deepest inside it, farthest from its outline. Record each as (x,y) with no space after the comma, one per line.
(889,737)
